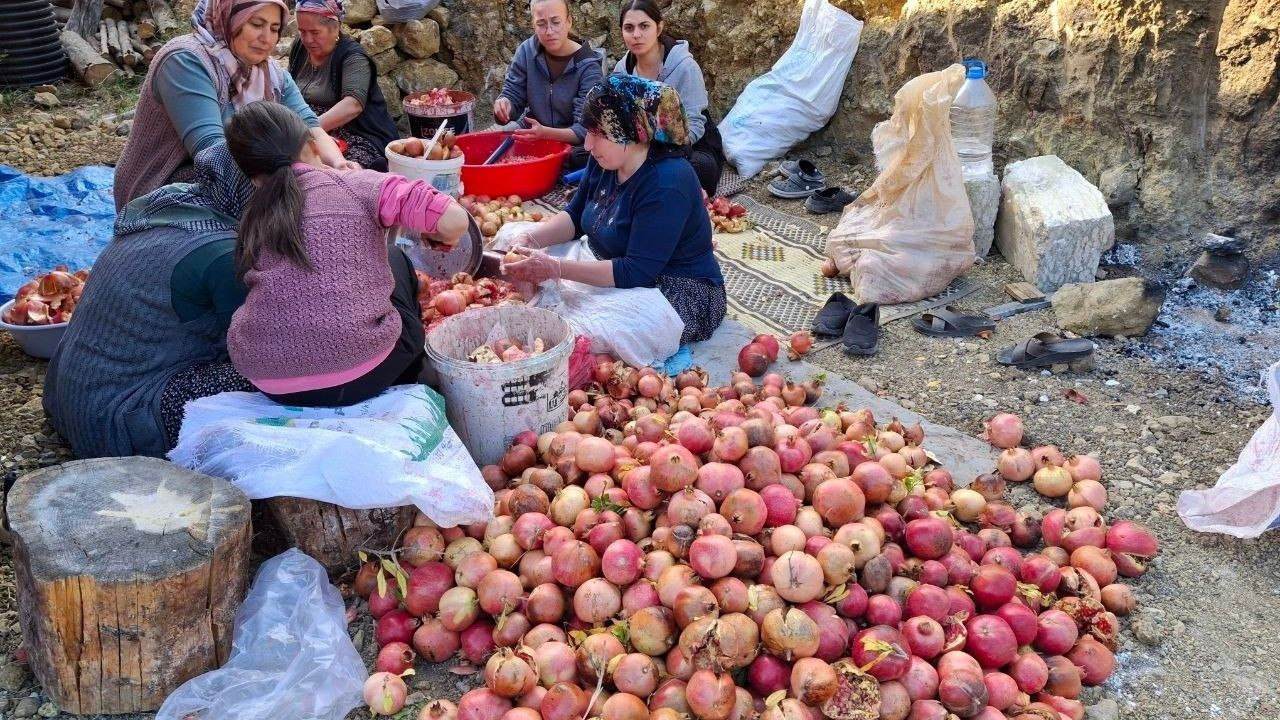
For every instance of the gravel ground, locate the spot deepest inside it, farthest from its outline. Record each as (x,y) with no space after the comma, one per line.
(1203,643)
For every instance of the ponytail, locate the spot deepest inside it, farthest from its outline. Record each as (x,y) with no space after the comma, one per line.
(266,138)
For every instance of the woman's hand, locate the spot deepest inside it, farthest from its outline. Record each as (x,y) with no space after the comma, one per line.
(535,131)
(536,267)
(523,240)
(502,110)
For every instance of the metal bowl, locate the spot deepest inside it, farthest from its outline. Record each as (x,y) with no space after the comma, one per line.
(466,256)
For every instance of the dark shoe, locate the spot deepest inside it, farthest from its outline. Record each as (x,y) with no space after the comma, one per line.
(947,322)
(1045,349)
(806,178)
(828,200)
(862,332)
(834,315)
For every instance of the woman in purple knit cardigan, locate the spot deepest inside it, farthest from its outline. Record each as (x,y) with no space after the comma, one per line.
(332,316)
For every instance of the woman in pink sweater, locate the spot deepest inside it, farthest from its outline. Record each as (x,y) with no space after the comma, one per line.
(332,315)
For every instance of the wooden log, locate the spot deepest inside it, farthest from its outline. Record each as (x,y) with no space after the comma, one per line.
(88,65)
(130,58)
(166,23)
(113,41)
(85,17)
(102,39)
(146,27)
(332,534)
(128,573)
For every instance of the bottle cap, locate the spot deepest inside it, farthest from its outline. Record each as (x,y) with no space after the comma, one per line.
(975,68)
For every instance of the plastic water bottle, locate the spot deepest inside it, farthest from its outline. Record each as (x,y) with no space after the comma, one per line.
(973,121)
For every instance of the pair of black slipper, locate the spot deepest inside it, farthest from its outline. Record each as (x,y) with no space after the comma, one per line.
(857,324)
(1041,350)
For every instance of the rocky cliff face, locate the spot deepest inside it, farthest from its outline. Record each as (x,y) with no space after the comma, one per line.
(1170,106)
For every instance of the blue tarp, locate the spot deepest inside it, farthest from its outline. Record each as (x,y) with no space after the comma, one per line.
(52,220)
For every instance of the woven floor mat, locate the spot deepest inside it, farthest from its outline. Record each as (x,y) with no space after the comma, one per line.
(773,273)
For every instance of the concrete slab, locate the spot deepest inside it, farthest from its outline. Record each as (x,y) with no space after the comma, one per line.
(966,457)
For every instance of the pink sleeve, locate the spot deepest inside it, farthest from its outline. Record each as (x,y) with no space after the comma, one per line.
(411,204)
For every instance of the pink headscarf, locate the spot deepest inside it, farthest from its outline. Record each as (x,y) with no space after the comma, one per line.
(216,22)
(331,9)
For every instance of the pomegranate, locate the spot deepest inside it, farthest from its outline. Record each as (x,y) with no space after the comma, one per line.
(990,641)
(384,693)
(395,658)
(1003,430)
(482,704)
(884,649)
(929,538)
(753,358)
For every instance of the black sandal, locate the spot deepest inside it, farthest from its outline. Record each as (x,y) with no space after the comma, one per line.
(948,322)
(1045,349)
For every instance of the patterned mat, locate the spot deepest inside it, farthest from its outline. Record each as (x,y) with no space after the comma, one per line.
(774,277)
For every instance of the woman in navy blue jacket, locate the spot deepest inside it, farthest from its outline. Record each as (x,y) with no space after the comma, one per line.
(640,207)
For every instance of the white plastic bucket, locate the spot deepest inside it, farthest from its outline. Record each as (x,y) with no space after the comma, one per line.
(489,404)
(444,175)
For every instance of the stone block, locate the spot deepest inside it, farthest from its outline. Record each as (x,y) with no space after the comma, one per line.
(440,14)
(1119,185)
(377,39)
(419,38)
(360,11)
(984,202)
(1125,307)
(1225,272)
(418,75)
(1215,244)
(1053,224)
(386,61)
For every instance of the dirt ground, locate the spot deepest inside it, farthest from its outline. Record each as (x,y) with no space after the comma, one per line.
(1203,643)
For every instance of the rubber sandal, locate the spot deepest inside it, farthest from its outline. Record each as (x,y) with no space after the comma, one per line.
(862,332)
(1044,349)
(948,322)
(791,168)
(801,185)
(828,200)
(834,315)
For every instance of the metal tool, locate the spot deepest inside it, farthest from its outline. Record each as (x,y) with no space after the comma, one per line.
(507,142)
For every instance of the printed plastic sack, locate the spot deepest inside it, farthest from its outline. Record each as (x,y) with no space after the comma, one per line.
(798,95)
(290,659)
(608,315)
(400,11)
(911,233)
(1246,500)
(400,438)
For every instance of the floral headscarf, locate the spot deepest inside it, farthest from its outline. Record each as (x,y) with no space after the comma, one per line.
(630,109)
(216,22)
(331,9)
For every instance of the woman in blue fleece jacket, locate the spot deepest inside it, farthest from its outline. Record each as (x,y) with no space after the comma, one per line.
(639,205)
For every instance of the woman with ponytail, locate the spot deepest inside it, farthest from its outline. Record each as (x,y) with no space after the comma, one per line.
(332,316)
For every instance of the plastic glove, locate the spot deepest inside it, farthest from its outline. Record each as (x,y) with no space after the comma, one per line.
(536,267)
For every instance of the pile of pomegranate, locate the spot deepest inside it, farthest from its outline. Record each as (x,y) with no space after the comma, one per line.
(443,298)
(725,553)
(726,216)
(493,213)
(49,299)
(435,97)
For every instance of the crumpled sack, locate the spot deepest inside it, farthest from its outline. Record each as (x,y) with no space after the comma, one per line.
(291,658)
(1246,500)
(391,450)
(911,233)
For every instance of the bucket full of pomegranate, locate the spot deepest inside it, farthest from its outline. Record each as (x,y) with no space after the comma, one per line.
(428,108)
(502,371)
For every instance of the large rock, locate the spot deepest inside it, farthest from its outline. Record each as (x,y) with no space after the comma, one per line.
(1225,272)
(419,38)
(1054,225)
(417,75)
(392,95)
(1125,307)
(386,61)
(360,11)
(377,39)
(984,202)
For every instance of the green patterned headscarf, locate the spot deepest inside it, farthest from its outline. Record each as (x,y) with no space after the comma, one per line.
(629,109)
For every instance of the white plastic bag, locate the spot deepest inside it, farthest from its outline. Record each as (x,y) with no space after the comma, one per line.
(1246,500)
(798,95)
(392,450)
(290,658)
(911,233)
(399,11)
(635,325)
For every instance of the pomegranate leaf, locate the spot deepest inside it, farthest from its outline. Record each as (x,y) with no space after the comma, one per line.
(382,582)
(775,698)
(364,557)
(464,669)
(836,594)
(622,632)
(1075,395)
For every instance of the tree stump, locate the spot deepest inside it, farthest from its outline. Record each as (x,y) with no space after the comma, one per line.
(129,571)
(332,534)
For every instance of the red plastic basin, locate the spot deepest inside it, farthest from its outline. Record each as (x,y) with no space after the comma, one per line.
(529,179)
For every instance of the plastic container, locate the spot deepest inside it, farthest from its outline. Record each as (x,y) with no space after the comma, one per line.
(444,175)
(38,341)
(425,120)
(529,179)
(489,404)
(973,121)
(30,46)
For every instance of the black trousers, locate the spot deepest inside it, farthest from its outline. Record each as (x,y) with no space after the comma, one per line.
(708,166)
(402,366)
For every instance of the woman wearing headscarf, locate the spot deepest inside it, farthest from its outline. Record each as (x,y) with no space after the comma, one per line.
(338,81)
(639,205)
(149,332)
(197,81)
